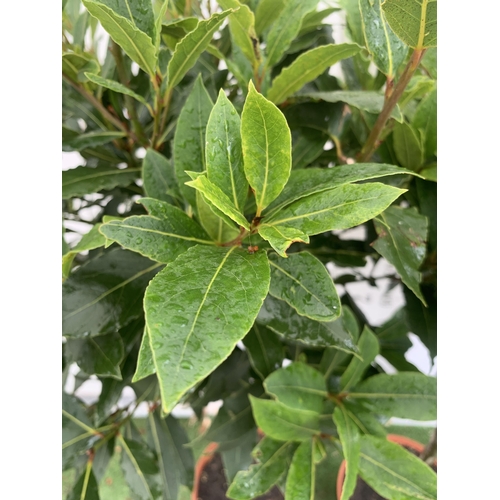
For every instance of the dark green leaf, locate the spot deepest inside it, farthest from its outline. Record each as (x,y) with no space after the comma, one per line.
(179,28)
(91,140)
(300,481)
(239,458)
(86,486)
(425,120)
(158,176)
(264,349)
(407,146)
(307,145)
(145,364)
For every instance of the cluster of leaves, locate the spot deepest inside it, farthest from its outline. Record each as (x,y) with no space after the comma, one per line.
(214,202)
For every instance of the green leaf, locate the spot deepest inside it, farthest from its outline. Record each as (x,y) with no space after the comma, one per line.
(368,348)
(315,180)
(217,197)
(273,459)
(298,386)
(386,48)
(281,422)
(404,395)
(136,43)
(282,319)
(179,28)
(140,469)
(286,28)
(224,157)
(365,420)
(280,237)
(189,139)
(86,486)
(395,473)
(413,21)
(353,18)
(118,87)
(429,62)
(402,235)
(307,67)
(425,120)
(158,176)
(239,458)
(162,235)
(139,12)
(208,296)
(266,13)
(429,173)
(307,145)
(303,282)
(350,439)
(175,460)
(189,49)
(91,140)
(370,101)
(85,180)
(105,294)
(339,208)
(264,350)
(266,142)
(145,363)
(300,480)
(407,146)
(99,356)
(75,65)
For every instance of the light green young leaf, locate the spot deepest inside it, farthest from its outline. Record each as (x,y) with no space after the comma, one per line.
(368,348)
(90,140)
(395,473)
(118,87)
(339,208)
(301,477)
(189,49)
(386,48)
(280,237)
(86,487)
(407,146)
(224,158)
(189,139)
(283,423)
(135,42)
(162,236)
(264,350)
(425,120)
(266,142)
(158,24)
(158,177)
(350,439)
(303,282)
(298,386)
(266,13)
(430,173)
(285,28)
(208,296)
(403,395)
(413,21)
(307,67)
(273,460)
(145,364)
(402,236)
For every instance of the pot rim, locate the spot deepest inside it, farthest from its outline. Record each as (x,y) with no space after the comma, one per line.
(205,457)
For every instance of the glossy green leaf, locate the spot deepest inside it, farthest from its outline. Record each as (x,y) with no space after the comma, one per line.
(365,100)
(307,67)
(189,49)
(124,31)
(105,294)
(303,282)
(266,143)
(273,459)
(386,48)
(283,423)
(266,13)
(339,208)
(140,469)
(97,356)
(403,395)
(189,139)
(282,319)
(224,157)
(118,87)
(280,237)
(218,198)
(86,487)
(175,460)
(285,28)
(145,363)
(368,348)
(162,235)
(85,180)
(413,21)
(158,176)
(264,350)
(402,235)
(208,296)
(139,12)
(91,140)
(305,182)
(407,146)
(395,473)
(300,480)
(350,439)
(297,386)
(425,120)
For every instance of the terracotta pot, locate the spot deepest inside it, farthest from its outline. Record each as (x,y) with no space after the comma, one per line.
(205,457)
(395,438)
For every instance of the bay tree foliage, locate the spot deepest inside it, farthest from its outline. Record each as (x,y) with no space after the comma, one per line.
(222,170)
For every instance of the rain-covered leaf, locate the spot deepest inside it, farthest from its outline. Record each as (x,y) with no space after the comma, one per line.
(264,349)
